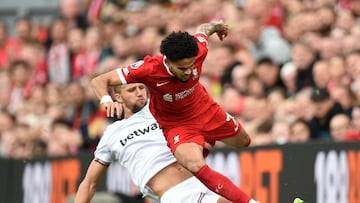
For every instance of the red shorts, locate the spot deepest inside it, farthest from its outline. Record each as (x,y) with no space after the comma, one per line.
(215,125)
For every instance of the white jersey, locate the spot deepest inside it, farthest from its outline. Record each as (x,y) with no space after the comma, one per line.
(138,144)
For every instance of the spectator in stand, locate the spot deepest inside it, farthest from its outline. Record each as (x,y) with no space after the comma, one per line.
(232,101)
(329,47)
(269,74)
(276,97)
(20,73)
(148,38)
(5,90)
(352,61)
(280,132)
(303,56)
(19,142)
(23,31)
(63,139)
(269,13)
(34,54)
(71,12)
(262,41)
(94,51)
(340,124)
(345,20)
(262,133)
(239,76)
(10,144)
(304,108)
(338,75)
(7,122)
(58,58)
(327,16)
(355,8)
(344,96)
(292,31)
(9,49)
(14,45)
(75,44)
(288,77)
(321,73)
(299,132)
(220,59)
(354,133)
(255,86)
(349,44)
(282,107)
(121,47)
(37,104)
(325,109)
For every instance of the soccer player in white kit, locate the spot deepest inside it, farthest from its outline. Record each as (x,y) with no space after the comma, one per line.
(137,143)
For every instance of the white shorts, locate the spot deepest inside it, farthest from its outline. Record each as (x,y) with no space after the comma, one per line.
(189,191)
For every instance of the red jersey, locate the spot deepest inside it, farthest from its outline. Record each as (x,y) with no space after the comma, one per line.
(172,101)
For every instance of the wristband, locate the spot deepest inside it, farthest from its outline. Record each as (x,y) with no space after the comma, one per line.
(105,99)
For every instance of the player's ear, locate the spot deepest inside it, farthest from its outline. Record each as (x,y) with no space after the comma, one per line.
(118,97)
(167,61)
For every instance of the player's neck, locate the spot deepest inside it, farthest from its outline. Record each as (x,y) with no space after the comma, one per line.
(127,113)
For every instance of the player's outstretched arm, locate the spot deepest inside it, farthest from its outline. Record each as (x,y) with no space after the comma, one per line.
(100,85)
(87,187)
(219,27)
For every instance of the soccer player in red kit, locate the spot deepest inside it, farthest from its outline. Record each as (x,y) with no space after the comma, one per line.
(188,116)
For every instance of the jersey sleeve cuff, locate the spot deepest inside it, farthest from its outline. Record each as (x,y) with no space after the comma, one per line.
(201,34)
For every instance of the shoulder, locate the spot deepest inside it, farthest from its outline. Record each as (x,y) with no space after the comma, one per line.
(112,129)
(148,63)
(201,37)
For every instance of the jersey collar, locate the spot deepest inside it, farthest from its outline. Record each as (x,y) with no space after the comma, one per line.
(167,67)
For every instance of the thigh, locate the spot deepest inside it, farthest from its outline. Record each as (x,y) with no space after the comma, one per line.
(189,191)
(221,126)
(183,134)
(242,139)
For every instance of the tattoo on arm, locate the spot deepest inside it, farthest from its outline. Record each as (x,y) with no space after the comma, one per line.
(207,28)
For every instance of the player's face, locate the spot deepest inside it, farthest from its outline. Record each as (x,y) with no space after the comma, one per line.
(182,69)
(133,96)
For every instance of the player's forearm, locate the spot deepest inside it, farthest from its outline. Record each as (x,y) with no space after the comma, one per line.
(85,193)
(100,85)
(208,28)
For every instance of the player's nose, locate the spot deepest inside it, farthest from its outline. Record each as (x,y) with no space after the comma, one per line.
(188,71)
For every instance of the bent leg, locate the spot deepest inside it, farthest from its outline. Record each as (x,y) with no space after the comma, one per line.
(242,139)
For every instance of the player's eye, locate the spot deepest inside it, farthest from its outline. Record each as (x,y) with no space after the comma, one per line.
(132,89)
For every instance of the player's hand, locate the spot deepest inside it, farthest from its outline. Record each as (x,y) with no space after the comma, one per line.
(112,109)
(221,29)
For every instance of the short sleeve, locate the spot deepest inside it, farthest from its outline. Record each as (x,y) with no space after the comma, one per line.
(103,153)
(135,72)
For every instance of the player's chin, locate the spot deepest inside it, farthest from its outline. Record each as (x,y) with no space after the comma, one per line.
(141,101)
(184,79)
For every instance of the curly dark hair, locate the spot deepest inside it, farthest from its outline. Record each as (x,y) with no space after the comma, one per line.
(179,45)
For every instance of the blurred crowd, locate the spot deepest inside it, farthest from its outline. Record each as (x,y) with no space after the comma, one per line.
(289,70)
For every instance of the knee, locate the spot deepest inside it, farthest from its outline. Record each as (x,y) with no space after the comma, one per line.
(244,140)
(194,165)
(191,158)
